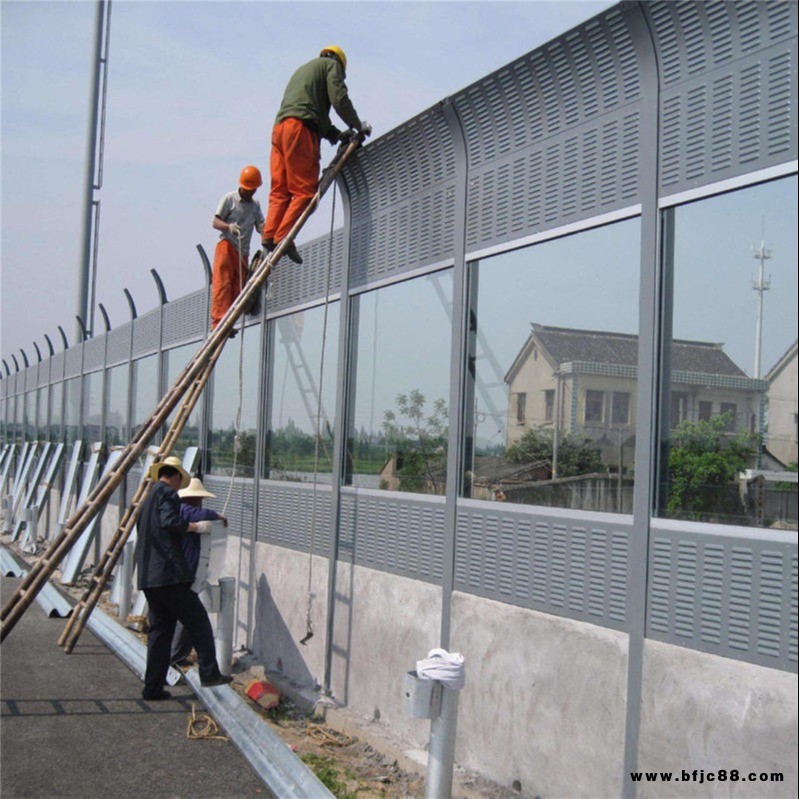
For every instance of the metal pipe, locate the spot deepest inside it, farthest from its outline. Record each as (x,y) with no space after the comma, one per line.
(225,622)
(84,266)
(125,578)
(441,747)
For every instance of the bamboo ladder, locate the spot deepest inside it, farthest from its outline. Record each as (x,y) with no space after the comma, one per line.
(192,379)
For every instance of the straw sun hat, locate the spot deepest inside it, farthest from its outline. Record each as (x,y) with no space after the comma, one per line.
(175,464)
(195,489)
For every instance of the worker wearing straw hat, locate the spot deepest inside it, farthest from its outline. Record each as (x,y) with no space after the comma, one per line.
(192,510)
(164,576)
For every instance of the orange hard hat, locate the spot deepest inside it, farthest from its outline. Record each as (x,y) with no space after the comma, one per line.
(250,178)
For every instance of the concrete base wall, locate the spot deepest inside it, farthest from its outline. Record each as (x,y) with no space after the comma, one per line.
(544,701)
(271,616)
(700,711)
(383,624)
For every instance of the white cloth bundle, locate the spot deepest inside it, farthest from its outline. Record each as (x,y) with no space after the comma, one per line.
(446,667)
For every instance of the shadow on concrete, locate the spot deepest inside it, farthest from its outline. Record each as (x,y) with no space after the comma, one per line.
(273,643)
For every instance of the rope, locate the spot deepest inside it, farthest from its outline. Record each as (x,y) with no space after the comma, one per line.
(325,736)
(202,727)
(237,435)
(308,621)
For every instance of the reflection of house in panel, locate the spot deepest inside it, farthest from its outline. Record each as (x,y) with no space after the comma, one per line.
(584,381)
(781,436)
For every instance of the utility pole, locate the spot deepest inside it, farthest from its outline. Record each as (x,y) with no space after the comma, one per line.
(87,266)
(761,285)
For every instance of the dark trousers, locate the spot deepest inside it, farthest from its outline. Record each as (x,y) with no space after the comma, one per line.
(168,605)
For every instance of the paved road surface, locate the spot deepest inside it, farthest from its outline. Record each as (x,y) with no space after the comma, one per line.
(75,726)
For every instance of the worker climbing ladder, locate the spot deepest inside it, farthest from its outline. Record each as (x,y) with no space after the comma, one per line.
(192,379)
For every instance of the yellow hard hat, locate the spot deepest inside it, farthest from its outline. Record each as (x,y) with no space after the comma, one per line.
(250,178)
(338,52)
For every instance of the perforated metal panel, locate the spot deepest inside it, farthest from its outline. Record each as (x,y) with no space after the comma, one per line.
(240,507)
(393,533)
(44,373)
(554,136)
(576,567)
(146,332)
(73,359)
(284,516)
(31,377)
(729,595)
(119,344)
(94,353)
(57,367)
(186,318)
(294,285)
(402,191)
(728,102)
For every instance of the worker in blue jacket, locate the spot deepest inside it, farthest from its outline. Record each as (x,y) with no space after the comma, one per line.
(165,579)
(192,510)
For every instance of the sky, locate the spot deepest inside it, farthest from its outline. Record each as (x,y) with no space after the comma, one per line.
(193,88)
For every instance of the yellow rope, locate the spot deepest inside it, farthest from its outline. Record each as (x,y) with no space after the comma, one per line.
(203,727)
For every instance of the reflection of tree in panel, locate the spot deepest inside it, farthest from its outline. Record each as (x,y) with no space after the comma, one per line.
(704,461)
(418,443)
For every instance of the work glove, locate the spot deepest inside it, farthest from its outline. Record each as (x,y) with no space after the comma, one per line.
(346,136)
(233,230)
(204,527)
(365,129)
(333,134)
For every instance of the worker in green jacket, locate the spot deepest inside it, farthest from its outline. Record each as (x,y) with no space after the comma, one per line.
(303,119)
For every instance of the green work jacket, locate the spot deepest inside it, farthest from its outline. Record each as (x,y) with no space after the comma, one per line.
(310,92)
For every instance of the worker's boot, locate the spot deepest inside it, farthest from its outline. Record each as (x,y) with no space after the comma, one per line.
(291,251)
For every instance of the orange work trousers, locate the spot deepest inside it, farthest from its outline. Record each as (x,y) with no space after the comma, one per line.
(228,279)
(294,167)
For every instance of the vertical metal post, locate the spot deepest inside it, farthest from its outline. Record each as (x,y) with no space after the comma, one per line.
(458,357)
(649,316)
(84,267)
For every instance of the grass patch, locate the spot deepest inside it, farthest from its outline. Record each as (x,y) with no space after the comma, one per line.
(325,769)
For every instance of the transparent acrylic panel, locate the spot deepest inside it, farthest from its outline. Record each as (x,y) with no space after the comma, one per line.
(92,406)
(42,429)
(399,422)
(72,409)
(294,405)
(551,385)
(234,407)
(176,360)
(145,390)
(730,364)
(56,410)
(116,423)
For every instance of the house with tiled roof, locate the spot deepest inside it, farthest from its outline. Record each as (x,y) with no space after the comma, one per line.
(584,381)
(782,430)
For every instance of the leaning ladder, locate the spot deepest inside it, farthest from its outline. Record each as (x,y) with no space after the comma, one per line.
(193,378)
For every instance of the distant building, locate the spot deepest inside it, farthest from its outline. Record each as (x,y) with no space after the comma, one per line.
(782,430)
(584,381)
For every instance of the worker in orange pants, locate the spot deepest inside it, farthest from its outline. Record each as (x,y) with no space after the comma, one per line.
(303,119)
(237,215)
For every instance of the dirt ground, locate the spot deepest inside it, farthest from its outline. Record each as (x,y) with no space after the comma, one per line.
(349,766)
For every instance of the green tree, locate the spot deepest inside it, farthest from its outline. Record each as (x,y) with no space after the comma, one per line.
(419,441)
(577,454)
(703,459)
